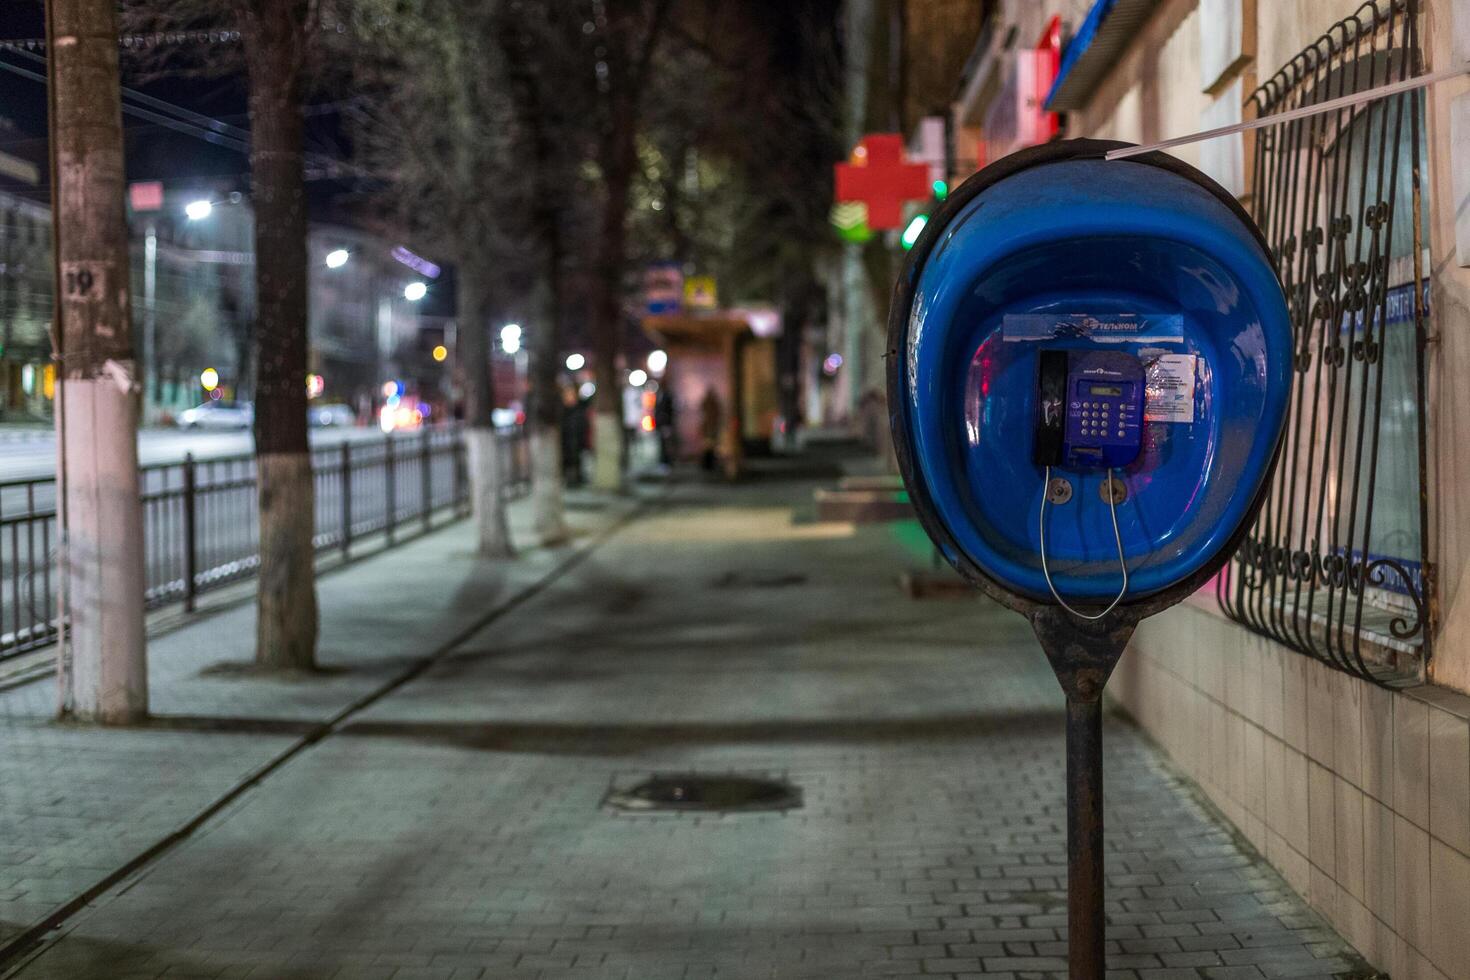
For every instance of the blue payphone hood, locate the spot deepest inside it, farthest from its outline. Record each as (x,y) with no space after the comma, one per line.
(1057,231)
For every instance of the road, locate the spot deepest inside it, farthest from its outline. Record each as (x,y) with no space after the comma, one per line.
(26,454)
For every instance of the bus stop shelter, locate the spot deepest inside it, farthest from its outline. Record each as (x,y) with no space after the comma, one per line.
(732,354)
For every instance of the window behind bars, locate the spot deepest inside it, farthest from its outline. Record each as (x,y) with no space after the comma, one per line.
(1336,565)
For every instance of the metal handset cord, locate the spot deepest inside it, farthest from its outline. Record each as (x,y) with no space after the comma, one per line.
(1117,536)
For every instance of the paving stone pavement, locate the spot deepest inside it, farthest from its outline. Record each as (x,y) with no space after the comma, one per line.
(77,803)
(457,828)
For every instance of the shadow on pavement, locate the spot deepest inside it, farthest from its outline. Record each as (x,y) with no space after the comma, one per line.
(233,725)
(552,738)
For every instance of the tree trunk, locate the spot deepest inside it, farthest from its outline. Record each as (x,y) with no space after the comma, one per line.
(619,160)
(545,415)
(636,31)
(97,415)
(548,507)
(286,621)
(545,403)
(482,445)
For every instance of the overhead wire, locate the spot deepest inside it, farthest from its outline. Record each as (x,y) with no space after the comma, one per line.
(183,120)
(158,118)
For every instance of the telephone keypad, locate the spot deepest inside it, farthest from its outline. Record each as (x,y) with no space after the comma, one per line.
(1106,420)
(1090,408)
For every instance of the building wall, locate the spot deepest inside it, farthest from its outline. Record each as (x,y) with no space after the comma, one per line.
(25,308)
(1141,100)
(1447,42)
(1359,796)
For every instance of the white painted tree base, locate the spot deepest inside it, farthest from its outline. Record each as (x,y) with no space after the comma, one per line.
(607,468)
(487,502)
(103,552)
(547,506)
(286,608)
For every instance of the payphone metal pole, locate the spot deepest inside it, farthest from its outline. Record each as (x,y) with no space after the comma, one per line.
(1086,888)
(1083,655)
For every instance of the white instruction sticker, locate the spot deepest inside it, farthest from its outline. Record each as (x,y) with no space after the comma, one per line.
(1168,393)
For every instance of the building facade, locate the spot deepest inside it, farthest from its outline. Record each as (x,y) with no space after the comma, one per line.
(193,301)
(27,377)
(1317,691)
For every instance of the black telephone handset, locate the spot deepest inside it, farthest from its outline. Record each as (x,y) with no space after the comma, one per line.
(1051,404)
(1089,409)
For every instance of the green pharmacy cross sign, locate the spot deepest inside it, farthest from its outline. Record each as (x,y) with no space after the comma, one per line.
(850,218)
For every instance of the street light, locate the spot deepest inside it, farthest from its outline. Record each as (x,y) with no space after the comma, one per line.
(415,291)
(510,337)
(657,361)
(575,362)
(637,377)
(440,352)
(337,258)
(198,210)
(209,379)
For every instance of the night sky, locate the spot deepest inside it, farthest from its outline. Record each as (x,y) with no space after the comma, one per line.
(155,152)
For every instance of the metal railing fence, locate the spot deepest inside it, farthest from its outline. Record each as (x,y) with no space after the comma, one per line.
(200,521)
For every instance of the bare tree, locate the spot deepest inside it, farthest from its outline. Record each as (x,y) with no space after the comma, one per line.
(736,149)
(736,132)
(621,48)
(538,40)
(438,127)
(278,39)
(275,34)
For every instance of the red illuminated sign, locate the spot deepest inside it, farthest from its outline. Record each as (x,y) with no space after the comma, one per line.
(880,177)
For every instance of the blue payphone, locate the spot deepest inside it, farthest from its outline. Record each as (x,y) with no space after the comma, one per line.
(1089,364)
(1118,322)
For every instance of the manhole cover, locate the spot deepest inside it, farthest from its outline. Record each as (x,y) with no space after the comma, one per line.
(720,794)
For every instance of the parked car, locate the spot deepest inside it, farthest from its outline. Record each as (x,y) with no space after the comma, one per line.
(218,415)
(322,416)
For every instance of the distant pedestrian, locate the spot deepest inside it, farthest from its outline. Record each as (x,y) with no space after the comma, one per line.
(711,416)
(573,435)
(663,423)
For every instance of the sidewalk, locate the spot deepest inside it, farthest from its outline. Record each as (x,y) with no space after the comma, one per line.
(77,803)
(455,827)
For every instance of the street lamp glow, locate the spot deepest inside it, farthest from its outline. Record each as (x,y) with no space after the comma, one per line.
(209,379)
(198,210)
(337,258)
(637,377)
(415,291)
(510,337)
(575,362)
(657,361)
(440,352)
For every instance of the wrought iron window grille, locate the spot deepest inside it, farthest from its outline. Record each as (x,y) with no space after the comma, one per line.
(1337,565)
